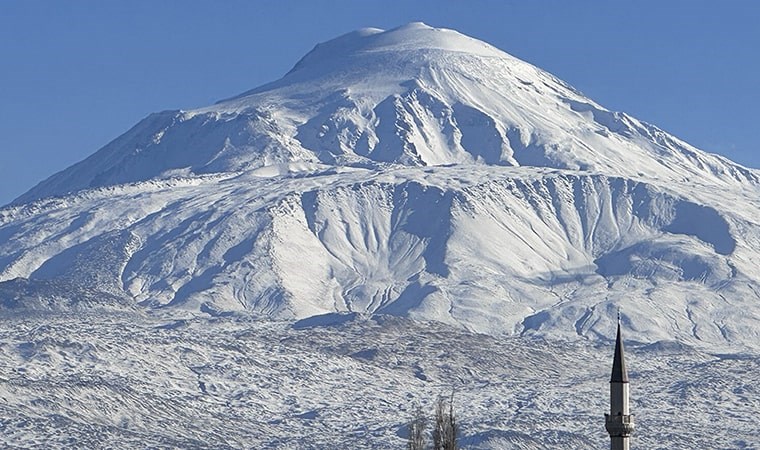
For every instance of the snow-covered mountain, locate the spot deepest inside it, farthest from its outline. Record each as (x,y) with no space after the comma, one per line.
(414,172)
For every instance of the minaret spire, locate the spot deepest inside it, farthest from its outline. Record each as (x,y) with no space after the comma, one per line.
(619,422)
(619,372)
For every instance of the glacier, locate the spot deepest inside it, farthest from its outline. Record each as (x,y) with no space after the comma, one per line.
(414,178)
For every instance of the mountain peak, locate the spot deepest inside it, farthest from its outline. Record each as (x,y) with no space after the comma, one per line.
(413,95)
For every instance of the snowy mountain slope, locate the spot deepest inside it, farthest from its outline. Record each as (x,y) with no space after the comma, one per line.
(495,250)
(415,172)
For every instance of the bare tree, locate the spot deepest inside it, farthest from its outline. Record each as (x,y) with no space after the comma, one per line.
(446,431)
(417,430)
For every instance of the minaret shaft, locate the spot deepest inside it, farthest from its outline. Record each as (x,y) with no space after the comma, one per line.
(620,443)
(619,395)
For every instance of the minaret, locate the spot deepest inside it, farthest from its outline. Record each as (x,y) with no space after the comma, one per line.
(619,422)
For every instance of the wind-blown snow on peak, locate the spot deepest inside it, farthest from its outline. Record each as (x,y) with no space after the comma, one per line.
(415,37)
(415,96)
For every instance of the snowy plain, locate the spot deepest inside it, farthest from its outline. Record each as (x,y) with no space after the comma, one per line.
(404,213)
(131,381)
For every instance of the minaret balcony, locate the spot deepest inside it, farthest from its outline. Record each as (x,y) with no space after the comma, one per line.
(619,425)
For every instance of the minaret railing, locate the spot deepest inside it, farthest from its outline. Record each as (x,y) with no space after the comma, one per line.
(620,425)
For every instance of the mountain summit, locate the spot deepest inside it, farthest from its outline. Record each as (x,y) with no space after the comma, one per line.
(415,172)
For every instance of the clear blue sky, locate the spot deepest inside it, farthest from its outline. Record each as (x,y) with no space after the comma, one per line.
(76,74)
